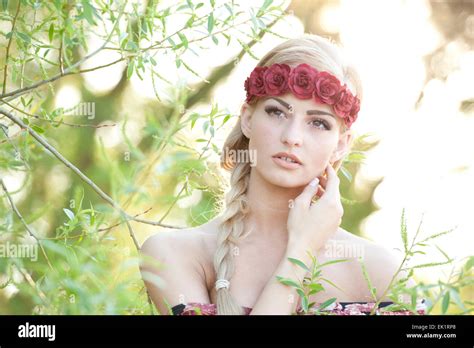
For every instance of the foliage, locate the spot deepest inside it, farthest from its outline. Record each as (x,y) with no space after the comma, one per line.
(74,202)
(448,292)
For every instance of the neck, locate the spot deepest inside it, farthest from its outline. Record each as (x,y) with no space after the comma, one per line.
(269,209)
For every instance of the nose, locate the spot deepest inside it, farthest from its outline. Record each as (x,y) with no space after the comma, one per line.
(291,135)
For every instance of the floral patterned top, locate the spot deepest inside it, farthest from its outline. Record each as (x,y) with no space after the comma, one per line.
(337,308)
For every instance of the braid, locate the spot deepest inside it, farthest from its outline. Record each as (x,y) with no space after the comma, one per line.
(230,231)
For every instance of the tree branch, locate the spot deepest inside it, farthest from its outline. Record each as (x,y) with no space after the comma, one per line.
(24,222)
(84,178)
(5,73)
(69,70)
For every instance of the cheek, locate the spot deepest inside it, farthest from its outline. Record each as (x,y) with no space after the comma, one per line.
(264,136)
(320,150)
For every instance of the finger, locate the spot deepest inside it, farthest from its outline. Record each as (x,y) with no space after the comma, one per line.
(323,178)
(332,185)
(308,193)
(320,192)
(322,181)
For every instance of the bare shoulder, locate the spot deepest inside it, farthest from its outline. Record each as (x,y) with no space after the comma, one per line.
(172,267)
(180,241)
(381,263)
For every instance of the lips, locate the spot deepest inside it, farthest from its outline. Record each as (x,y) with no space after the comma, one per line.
(285,155)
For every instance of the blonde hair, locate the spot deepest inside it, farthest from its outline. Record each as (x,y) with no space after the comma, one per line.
(324,55)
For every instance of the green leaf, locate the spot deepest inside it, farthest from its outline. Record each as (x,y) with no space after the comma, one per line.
(454,294)
(26,38)
(54,247)
(403,231)
(367,279)
(92,215)
(210,23)
(69,213)
(327,303)
(130,68)
(445,304)
(331,283)
(433,264)
(184,39)
(190,21)
(346,173)
(287,281)
(51,32)
(88,12)
(299,263)
(37,128)
(315,288)
(442,252)
(469,263)
(247,49)
(437,235)
(304,303)
(205,126)
(265,6)
(332,262)
(192,71)
(225,120)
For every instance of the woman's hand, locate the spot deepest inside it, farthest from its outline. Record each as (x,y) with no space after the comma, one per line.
(311,224)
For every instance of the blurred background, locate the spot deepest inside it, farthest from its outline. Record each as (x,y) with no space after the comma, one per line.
(158,102)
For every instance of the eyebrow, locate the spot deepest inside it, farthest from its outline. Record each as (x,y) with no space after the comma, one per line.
(309,112)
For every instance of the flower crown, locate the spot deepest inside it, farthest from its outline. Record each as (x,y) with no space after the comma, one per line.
(304,82)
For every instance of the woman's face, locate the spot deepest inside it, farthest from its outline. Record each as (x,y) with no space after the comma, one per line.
(301,127)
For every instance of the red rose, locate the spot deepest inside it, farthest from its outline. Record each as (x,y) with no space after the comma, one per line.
(326,88)
(254,85)
(344,104)
(353,113)
(276,79)
(301,81)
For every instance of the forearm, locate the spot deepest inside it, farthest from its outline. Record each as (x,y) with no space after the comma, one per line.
(277,298)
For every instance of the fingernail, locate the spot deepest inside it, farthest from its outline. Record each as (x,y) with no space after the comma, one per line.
(314,182)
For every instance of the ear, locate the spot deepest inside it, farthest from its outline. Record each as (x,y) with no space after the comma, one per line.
(246,113)
(343,145)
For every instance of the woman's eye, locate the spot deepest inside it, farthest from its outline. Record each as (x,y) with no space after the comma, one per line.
(320,124)
(273,110)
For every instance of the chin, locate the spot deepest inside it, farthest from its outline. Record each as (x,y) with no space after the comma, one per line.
(282,179)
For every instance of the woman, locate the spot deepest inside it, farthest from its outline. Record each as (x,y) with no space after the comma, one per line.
(302,99)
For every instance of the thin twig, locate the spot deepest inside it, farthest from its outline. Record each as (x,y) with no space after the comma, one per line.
(98,230)
(12,32)
(58,123)
(68,164)
(32,283)
(24,222)
(68,70)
